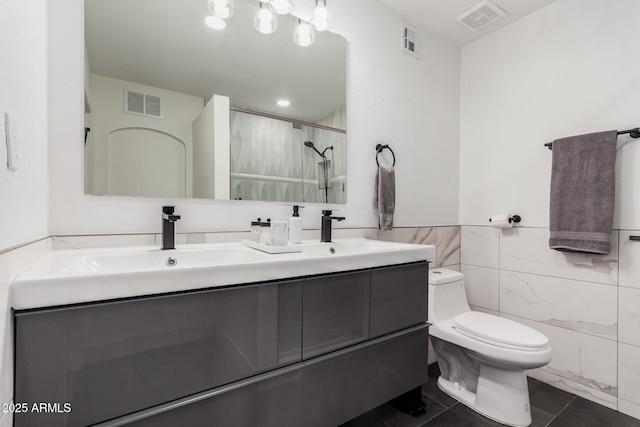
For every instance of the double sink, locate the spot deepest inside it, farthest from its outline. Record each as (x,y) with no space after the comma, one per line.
(77,276)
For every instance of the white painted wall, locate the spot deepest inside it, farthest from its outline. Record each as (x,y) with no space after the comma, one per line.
(392,98)
(132,154)
(23,94)
(211,144)
(565,70)
(222,147)
(203,129)
(24,197)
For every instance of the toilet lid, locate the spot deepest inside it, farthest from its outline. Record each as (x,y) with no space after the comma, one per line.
(487,327)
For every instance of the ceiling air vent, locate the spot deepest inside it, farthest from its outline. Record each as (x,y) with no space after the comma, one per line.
(142,104)
(480,15)
(410,41)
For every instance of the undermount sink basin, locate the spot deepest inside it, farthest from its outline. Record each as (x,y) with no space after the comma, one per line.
(77,276)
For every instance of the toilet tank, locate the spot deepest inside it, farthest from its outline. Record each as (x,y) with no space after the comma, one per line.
(441,276)
(447,297)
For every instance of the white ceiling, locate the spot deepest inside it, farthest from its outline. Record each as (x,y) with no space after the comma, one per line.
(438,16)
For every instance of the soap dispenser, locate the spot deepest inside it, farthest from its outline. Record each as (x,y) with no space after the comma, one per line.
(295,225)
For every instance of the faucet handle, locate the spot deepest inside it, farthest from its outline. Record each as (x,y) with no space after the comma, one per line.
(167,213)
(327,212)
(170,217)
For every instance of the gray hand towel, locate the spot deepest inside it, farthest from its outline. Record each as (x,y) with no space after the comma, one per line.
(385,196)
(583,193)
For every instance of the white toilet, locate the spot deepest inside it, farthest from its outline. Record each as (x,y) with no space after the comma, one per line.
(482,357)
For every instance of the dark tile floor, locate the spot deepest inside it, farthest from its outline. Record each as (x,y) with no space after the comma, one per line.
(549,407)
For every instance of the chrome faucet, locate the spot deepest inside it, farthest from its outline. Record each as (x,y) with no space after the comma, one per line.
(168,227)
(325,230)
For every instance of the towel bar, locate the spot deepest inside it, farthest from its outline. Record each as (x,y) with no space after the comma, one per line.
(634,133)
(635,238)
(379,148)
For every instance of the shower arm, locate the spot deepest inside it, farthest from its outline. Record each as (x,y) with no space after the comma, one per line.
(312,145)
(325,150)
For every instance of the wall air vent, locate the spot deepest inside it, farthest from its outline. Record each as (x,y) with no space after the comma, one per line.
(142,104)
(480,15)
(410,41)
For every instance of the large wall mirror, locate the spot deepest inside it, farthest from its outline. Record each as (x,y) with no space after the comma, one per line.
(175,108)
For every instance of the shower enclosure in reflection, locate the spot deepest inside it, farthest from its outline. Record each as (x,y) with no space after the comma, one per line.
(282,160)
(324,169)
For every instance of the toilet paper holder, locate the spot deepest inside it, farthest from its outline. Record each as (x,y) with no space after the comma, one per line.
(512,218)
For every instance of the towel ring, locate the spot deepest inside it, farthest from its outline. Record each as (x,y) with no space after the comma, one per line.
(379,148)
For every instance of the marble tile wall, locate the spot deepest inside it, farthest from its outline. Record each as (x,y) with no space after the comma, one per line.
(588,306)
(446,240)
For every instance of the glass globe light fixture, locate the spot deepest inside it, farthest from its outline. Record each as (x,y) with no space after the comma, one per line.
(304,35)
(221,8)
(215,22)
(281,7)
(265,20)
(321,19)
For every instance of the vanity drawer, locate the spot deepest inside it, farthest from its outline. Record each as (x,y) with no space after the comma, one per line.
(268,400)
(342,385)
(398,297)
(115,358)
(335,312)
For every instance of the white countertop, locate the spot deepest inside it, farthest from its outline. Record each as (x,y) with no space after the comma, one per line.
(77,276)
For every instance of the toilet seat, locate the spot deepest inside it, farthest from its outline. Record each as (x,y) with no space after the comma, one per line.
(499,331)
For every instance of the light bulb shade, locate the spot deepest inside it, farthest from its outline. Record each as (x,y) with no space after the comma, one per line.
(321,19)
(304,35)
(221,8)
(265,20)
(281,7)
(215,22)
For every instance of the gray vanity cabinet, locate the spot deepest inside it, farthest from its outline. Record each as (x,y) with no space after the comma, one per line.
(273,399)
(110,359)
(314,351)
(344,309)
(398,298)
(335,312)
(342,385)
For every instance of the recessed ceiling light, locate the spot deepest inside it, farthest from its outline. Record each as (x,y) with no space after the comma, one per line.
(215,22)
(283,102)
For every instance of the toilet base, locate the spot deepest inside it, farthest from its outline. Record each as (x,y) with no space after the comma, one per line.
(502,395)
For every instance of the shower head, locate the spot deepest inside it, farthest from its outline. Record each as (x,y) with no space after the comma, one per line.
(310,145)
(328,148)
